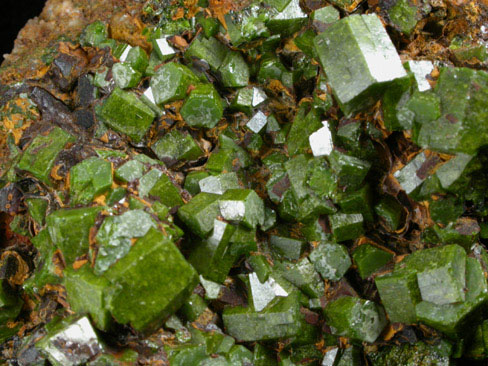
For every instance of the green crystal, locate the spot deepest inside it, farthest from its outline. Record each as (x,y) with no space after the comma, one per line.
(176,146)
(211,257)
(126,114)
(462,127)
(199,214)
(142,296)
(130,171)
(115,235)
(278,321)
(86,293)
(359,59)
(89,179)
(94,34)
(38,159)
(399,295)
(355,318)
(369,259)
(243,206)
(234,70)
(125,76)
(203,107)
(79,334)
(69,230)
(209,50)
(287,247)
(331,260)
(452,318)
(37,208)
(171,82)
(346,226)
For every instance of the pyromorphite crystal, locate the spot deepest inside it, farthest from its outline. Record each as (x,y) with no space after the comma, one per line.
(303,275)
(208,49)
(288,20)
(196,174)
(163,48)
(257,122)
(38,159)
(199,214)
(125,113)
(359,59)
(88,179)
(171,82)
(130,171)
(37,209)
(203,107)
(87,293)
(248,98)
(261,266)
(407,176)
(404,15)
(46,271)
(462,126)
(242,205)
(192,182)
(321,141)
(94,34)
(234,70)
(126,358)
(10,304)
(176,146)
(69,230)
(369,259)
(419,353)
(421,71)
(219,184)
(350,170)
(346,226)
(390,211)
(211,257)
(303,126)
(114,238)
(399,294)
(452,318)
(453,171)
(125,76)
(263,293)
(287,247)
(137,59)
(324,16)
(331,260)
(440,273)
(355,318)
(357,201)
(278,321)
(71,342)
(166,192)
(142,296)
